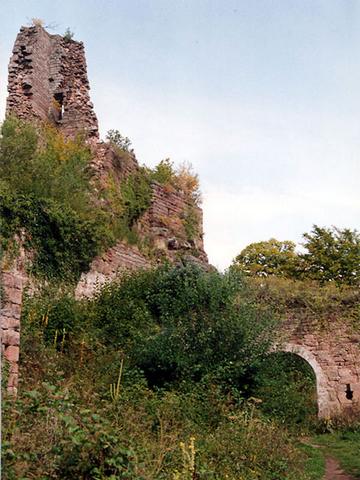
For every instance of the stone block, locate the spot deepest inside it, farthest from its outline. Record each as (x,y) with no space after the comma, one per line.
(13,380)
(332,396)
(11,337)
(9,322)
(344,372)
(332,373)
(14,296)
(14,368)
(12,353)
(7,280)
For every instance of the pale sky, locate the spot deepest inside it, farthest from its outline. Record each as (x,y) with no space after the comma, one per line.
(261,96)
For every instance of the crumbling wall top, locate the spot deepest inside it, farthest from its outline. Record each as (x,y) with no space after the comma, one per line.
(48,81)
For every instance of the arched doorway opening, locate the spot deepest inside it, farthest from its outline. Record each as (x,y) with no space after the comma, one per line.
(322,387)
(287,385)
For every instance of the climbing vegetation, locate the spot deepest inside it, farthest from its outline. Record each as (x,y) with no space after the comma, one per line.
(307,300)
(45,197)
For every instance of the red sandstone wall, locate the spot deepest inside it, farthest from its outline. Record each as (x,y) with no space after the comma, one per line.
(164,224)
(105,268)
(334,350)
(44,68)
(12,282)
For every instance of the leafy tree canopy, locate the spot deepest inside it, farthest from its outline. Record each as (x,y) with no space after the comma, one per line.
(331,254)
(271,257)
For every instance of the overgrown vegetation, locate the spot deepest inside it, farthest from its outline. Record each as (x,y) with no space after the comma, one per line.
(165,373)
(185,342)
(308,300)
(47,194)
(286,386)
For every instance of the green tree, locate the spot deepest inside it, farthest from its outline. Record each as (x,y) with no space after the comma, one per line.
(272,257)
(332,255)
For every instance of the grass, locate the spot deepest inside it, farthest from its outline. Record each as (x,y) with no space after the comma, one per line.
(345,447)
(314,466)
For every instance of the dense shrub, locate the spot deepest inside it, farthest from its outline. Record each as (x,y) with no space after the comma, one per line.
(193,333)
(61,427)
(76,443)
(182,323)
(45,194)
(136,195)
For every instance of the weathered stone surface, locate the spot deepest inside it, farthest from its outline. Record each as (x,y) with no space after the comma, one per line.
(105,268)
(334,358)
(12,280)
(12,354)
(48,80)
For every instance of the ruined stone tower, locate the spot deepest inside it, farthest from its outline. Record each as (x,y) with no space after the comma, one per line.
(48,80)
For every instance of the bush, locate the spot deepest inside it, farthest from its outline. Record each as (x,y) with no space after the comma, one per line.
(136,195)
(181,323)
(45,193)
(65,423)
(76,443)
(118,140)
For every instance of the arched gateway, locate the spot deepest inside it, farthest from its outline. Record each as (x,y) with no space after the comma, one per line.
(333,352)
(325,406)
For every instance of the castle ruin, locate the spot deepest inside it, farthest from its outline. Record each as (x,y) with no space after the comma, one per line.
(48,82)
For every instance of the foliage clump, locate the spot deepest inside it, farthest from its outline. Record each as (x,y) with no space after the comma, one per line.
(118,140)
(68,35)
(330,255)
(45,192)
(286,386)
(272,257)
(190,321)
(133,196)
(181,179)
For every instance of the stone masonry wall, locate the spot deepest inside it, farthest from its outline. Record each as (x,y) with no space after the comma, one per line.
(48,80)
(164,224)
(12,282)
(334,354)
(163,227)
(105,268)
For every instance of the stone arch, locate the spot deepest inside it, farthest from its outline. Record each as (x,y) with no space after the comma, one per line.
(324,397)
